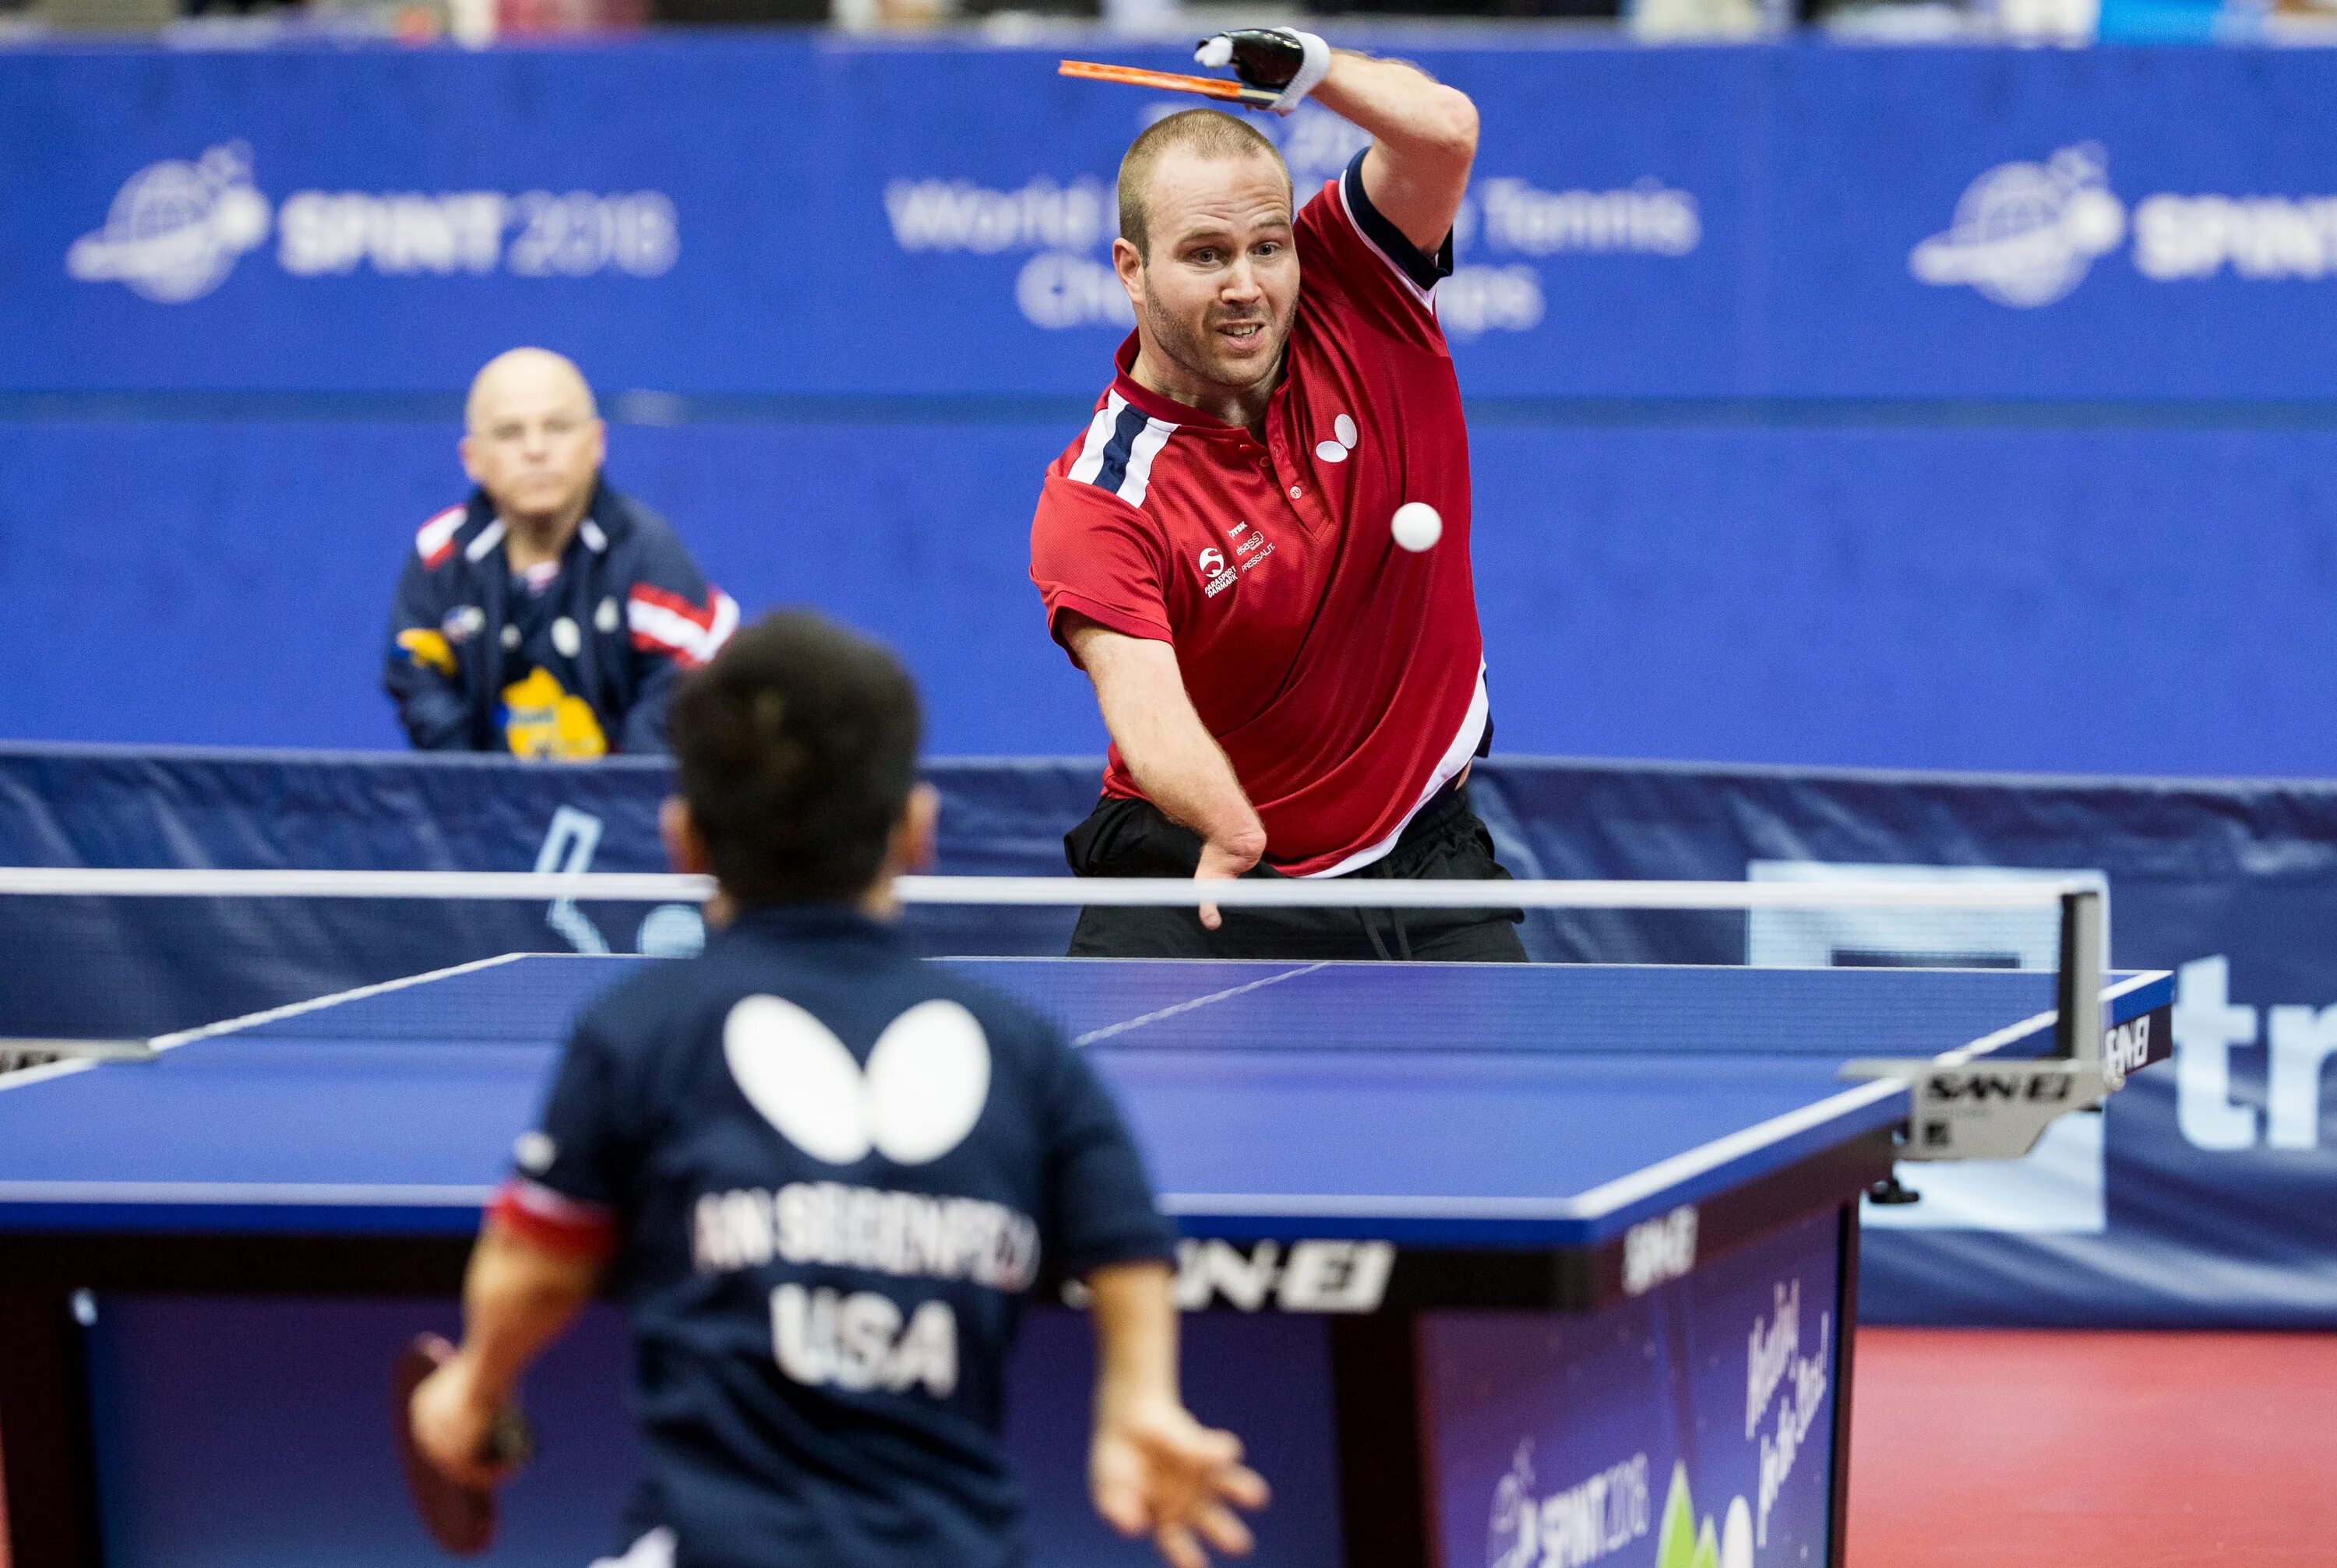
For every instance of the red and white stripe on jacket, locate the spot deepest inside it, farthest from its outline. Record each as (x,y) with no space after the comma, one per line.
(435,540)
(664,622)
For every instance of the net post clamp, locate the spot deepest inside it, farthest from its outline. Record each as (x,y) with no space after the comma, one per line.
(77,1050)
(1986,1109)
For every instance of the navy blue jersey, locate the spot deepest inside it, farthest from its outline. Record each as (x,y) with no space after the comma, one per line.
(582,665)
(829,1174)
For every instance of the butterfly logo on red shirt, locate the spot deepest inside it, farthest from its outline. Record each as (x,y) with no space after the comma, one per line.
(1336,451)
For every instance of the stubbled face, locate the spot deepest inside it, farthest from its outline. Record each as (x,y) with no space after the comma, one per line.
(1215,297)
(534,445)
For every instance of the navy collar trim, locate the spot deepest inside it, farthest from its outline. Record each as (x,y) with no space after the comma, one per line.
(606,520)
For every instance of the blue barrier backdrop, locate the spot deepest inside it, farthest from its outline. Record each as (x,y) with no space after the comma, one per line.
(1926,407)
(2207,1193)
(788,216)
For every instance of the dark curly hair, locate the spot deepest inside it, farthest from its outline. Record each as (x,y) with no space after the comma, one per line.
(797,748)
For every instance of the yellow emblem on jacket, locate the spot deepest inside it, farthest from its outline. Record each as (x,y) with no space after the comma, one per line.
(428,649)
(543,723)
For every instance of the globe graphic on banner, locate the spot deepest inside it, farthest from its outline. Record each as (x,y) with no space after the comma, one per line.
(176,229)
(2026,234)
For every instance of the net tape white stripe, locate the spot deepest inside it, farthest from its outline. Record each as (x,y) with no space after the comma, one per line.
(1248,893)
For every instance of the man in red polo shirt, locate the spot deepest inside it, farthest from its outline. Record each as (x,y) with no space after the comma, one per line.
(1288,691)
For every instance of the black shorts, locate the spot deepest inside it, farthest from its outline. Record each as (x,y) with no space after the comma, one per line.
(1445,841)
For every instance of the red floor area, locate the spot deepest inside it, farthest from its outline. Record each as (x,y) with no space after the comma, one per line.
(1977,1448)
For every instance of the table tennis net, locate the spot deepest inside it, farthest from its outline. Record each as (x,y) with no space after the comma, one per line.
(86,958)
(80,966)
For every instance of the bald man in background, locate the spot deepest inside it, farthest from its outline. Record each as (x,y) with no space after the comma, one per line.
(547,615)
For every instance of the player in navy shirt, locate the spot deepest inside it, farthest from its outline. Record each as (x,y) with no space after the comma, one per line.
(823,1175)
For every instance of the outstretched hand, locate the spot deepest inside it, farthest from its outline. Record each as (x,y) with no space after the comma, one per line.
(1155,1470)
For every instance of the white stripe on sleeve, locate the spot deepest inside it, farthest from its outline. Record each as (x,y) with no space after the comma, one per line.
(1100,429)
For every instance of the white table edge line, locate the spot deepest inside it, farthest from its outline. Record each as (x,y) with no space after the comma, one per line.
(317,1004)
(1988,1045)
(1176,1009)
(25,1077)
(2136,981)
(193,1193)
(1628,1190)
(1689,1163)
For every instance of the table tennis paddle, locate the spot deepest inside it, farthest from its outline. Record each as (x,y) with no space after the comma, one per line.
(460,1518)
(1169,82)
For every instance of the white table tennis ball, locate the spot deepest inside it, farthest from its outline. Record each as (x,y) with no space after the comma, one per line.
(1417,525)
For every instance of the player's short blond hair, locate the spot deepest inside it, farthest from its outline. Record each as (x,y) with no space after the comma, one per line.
(1205,134)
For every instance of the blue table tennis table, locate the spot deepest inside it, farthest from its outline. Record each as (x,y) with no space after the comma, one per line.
(1577,1244)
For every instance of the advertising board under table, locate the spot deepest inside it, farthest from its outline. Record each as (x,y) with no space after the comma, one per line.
(1692,1426)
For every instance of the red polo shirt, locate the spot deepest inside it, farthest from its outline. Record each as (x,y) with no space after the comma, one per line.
(1343,675)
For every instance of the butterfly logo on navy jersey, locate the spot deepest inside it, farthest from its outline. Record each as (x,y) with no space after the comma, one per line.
(921,1093)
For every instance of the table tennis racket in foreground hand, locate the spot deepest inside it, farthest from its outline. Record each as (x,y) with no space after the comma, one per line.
(460,1518)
